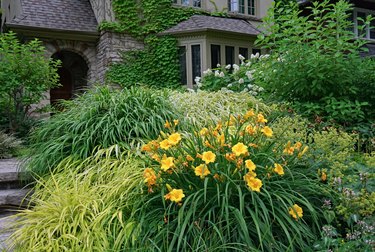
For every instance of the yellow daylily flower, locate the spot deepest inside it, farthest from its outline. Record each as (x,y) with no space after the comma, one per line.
(250,165)
(202,170)
(208,157)
(239,149)
(267,131)
(167,163)
(296,211)
(279,169)
(176,195)
(174,139)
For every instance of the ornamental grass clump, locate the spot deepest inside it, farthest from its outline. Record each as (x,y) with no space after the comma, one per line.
(98,119)
(228,186)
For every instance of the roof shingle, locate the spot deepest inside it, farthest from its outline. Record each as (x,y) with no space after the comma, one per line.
(205,23)
(70,15)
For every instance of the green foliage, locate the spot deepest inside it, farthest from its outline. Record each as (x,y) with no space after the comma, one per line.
(82,211)
(202,107)
(157,65)
(25,75)
(316,63)
(221,209)
(101,117)
(9,145)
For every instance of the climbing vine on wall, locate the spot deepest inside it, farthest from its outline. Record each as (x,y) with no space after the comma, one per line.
(157,64)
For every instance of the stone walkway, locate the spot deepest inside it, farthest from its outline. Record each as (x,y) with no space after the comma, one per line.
(11,196)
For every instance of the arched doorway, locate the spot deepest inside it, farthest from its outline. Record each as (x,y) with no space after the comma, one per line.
(72,76)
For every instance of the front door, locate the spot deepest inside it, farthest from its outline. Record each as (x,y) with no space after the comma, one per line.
(65,90)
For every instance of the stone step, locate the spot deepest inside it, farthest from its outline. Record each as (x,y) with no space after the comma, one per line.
(14,197)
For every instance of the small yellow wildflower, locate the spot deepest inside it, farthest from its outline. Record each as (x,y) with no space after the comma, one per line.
(221,139)
(167,163)
(155,157)
(174,139)
(261,119)
(250,165)
(208,157)
(296,211)
(323,177)
(249,114)
(298,145)
(167,124)
(175,122)
(202,171)
(288,149)
(230,156)
(189,158)
(175,195)
(251,130)
(203,132)
(253,145)
(207,143)
(303,151)
(279,169)
(267,131)
(239,149)
(150,176)
(253,183)
(165,144)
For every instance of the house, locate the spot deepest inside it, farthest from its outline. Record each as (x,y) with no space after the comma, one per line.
(361,9)
(69,31)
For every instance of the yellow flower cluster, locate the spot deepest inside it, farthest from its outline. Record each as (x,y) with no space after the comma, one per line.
(217,152)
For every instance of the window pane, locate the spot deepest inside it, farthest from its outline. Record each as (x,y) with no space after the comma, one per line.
(372,29)
(229,55)
(251,7)
(182,59)
(196,60)
(244,52)
(256,50)
(232,5)
(197,3)
(241,8)
(215,56)
(185,2)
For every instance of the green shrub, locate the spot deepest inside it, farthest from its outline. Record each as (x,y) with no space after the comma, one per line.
(228,186)
(316,64)
(202,107)
(25,75)
(82,211)
(8,145)
(99,118)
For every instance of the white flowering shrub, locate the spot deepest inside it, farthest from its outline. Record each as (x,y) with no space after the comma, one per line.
(233,78)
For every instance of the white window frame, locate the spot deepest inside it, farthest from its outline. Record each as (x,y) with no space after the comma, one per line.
(189,3)
(355,22)
(235,7)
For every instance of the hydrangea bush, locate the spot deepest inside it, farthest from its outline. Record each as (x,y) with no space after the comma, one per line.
(229,185)
(233,78)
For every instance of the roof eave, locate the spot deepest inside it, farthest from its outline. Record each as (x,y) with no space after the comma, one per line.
(205,30)
(45,32)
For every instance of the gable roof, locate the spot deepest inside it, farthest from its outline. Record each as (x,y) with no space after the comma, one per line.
(66,15)
(199,23)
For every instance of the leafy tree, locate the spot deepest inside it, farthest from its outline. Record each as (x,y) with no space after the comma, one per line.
(25,75)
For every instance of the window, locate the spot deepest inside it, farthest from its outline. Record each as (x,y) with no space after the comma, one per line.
(215,56)
(242,6)
(368,31)
(229,55)
(255,51)
(244,52)
(196,60)
(193,3)
(183,67)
